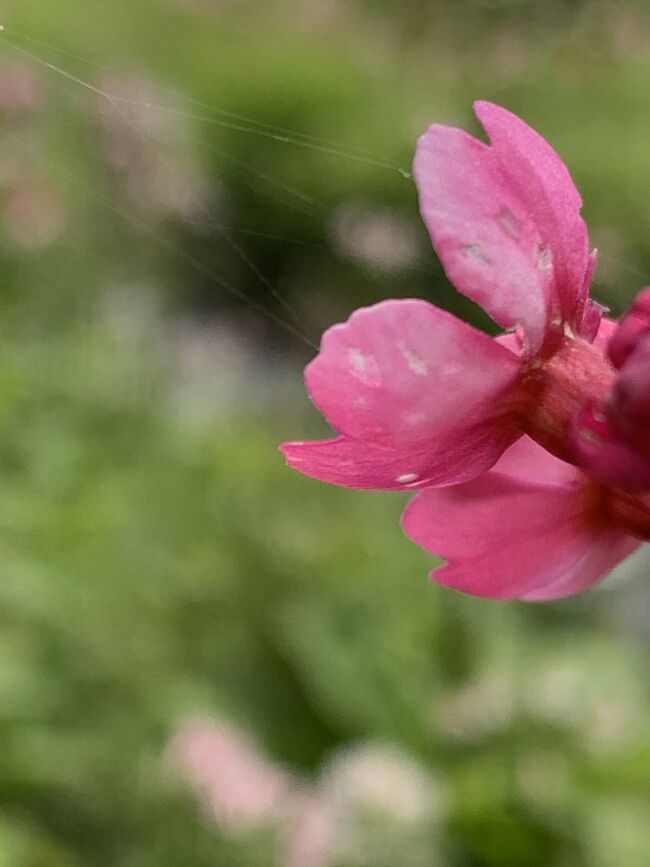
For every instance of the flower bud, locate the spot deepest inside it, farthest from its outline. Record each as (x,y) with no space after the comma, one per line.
(633,326)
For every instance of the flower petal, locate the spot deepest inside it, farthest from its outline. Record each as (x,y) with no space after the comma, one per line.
(545,188)
(592,310)
(504,220)
(419,397)
(629,408)
(522,530)
(612,443)
(599,557)
(633,327)
(606,328)
(404,373)
(356,464)
(607,456)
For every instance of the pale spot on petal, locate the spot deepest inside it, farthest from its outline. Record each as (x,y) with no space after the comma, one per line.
(510,223)
(589,436)
(413,419)
(357,359)
(568,331)
(407,478)
(416,364)
(544,257)
(474,251)
(364,367)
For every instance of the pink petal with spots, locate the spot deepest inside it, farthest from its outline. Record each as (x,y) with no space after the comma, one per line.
(400,372)
(546,190)
(357,464)
(504,220)
(522,530)
(414,392)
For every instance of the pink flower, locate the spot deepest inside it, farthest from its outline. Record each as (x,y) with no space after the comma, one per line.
(239,787)
(422,400)
(309,838)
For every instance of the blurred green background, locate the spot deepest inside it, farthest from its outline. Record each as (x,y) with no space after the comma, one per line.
(159,564)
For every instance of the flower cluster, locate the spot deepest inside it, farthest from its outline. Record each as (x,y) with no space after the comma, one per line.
(328,820)
(532,449)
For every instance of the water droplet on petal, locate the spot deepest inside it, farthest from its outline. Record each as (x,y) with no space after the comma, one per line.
(407,478)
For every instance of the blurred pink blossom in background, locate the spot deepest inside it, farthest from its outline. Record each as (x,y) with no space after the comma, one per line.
(33,215)
(318,822)
(21,88)
(237,786)
(309,836)
(376,237)
(149,147)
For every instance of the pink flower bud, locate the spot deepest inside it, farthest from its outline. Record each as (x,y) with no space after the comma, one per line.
(634,325)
